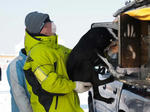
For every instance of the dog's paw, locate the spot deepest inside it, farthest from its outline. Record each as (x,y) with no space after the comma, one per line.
(110,100)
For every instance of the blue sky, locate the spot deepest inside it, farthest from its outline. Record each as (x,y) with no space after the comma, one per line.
(73,19)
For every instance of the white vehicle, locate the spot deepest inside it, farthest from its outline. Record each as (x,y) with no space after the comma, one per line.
(131,92)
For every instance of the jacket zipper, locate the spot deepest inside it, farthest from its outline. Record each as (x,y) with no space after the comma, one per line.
(56,102)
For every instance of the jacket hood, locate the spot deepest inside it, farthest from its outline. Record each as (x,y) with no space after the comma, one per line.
(30,41)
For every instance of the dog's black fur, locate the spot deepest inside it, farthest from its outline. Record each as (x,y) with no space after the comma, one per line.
(83,58)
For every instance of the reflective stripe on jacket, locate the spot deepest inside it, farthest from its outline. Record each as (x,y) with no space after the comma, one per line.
(51,90)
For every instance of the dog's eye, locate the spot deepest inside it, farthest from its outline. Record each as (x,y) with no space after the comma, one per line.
(111,40)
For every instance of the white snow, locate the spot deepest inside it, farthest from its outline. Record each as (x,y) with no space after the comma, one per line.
(5,102)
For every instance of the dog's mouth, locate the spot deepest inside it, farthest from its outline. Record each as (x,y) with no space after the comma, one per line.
(111,49)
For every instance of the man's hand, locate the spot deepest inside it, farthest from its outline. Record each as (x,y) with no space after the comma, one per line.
(82,86)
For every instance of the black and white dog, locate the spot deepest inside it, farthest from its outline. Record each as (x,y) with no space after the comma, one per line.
(85,55)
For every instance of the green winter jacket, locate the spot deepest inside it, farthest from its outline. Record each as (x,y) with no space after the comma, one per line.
(49,86)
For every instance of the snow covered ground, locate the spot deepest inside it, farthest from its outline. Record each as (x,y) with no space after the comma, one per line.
(5,102)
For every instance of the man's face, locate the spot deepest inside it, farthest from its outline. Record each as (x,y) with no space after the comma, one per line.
(47,29)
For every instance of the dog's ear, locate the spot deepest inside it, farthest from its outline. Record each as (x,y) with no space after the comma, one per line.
(103,38)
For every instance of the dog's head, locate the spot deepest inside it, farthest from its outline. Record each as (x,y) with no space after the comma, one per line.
(103,37)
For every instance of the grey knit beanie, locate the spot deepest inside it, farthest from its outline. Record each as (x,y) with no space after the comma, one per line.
(34,22)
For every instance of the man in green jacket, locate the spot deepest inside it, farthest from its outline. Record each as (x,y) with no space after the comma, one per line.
(45,68)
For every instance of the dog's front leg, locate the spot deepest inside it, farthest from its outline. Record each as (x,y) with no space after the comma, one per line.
(111,68)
